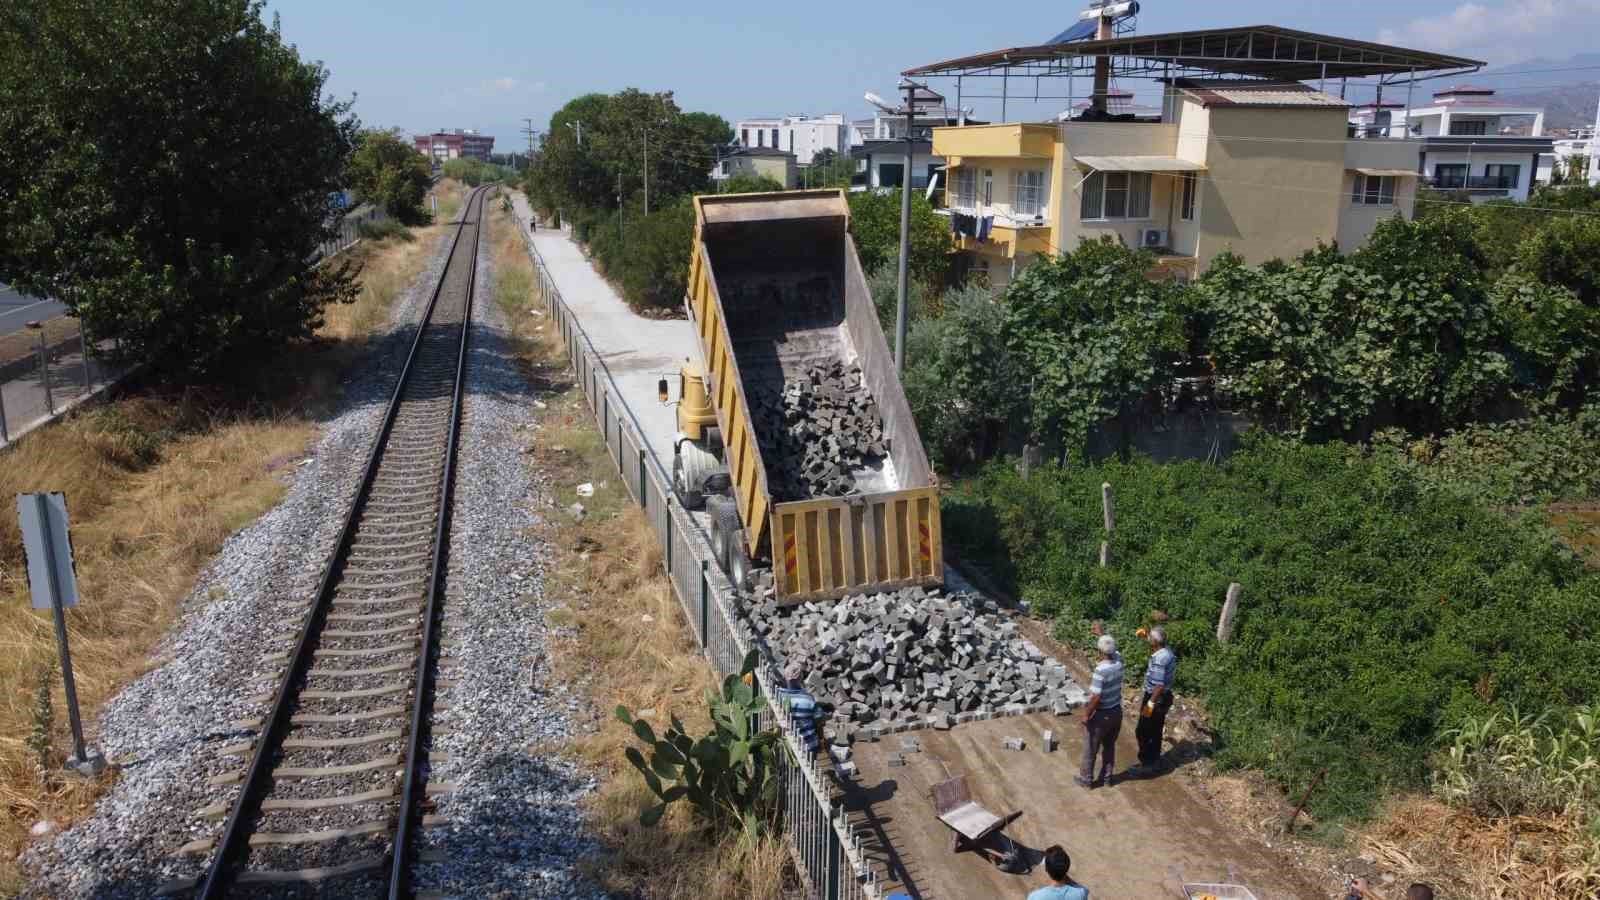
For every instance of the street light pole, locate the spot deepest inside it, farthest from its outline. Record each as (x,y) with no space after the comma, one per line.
(905,239)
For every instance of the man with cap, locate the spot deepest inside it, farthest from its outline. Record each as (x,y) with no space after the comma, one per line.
(1102,717)
(1157,700)
(800,704)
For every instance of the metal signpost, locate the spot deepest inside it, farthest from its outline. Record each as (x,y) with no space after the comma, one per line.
(53,584)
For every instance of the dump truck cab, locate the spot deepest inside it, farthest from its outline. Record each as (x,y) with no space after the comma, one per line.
(695,413)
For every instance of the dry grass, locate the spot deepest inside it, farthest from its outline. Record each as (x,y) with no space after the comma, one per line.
(627,642)
(450,194)
(1469,857)
(24,345)
(155,481)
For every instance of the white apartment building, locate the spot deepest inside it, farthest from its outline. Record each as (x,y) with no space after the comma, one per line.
(804,136)
(1469,141)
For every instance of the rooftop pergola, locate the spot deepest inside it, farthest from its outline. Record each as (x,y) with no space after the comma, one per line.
(1253,51)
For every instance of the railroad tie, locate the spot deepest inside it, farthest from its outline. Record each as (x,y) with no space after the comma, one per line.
(379,737)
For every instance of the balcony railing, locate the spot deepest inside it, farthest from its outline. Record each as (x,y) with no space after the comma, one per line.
(1470,182)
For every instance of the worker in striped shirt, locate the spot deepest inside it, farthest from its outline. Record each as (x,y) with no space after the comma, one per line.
(1157,700)
(1102,717)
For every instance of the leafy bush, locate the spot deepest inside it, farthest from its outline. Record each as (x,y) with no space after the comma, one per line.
(1507,763)
(1091,335)
(961,379)
(389,172)
(646,257)
(1506,463)
(746,183)
(726,775)
(384,229)
(474,172)
(1376,612)
(875,225)
(1566,251)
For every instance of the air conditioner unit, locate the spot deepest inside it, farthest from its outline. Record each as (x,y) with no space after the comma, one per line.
(1151,238)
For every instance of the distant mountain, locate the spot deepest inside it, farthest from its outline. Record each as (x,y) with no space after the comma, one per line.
(1567,88)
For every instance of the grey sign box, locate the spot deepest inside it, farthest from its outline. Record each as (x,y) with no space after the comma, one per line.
(45,538)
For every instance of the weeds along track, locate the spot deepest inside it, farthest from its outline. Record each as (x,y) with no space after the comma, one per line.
(334,784)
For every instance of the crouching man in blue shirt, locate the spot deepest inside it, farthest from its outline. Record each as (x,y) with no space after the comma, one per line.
(1061,887)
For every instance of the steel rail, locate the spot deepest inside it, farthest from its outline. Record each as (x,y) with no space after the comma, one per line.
(399,872)
(235,838)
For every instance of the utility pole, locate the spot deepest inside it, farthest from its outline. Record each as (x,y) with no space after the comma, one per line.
(904,292)
(578,127)
(528,130)
(647,171)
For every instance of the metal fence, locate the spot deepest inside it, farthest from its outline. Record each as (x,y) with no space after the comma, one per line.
(46,369)
(826,851)
(349,230)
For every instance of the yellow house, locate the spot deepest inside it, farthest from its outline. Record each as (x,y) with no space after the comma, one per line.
(1263,169)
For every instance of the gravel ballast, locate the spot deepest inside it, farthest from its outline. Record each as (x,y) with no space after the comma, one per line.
(512,816)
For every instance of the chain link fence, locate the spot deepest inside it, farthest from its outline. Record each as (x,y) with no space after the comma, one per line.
(48,368)
(826,849)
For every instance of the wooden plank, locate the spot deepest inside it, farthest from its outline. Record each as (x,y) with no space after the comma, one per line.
(326,743)
(891,537)
(296,876)
(382,762)
(336,718)
(382,632)
(357,673)
(298,803)
(238,749)
(384,690)
(374,617)
(439,788)
(225,779)
(803,581)
(372,651)
(268,838)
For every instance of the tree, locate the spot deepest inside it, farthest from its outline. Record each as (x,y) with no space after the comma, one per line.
(1094,335)
(167,172)
(1565,251)
(875,223)
(389,172)
(749,183)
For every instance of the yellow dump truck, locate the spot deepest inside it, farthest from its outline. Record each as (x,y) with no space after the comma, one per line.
(776,291)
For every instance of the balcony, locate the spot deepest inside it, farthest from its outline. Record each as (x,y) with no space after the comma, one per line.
(1009,236)
(1014,140)
(1476,184)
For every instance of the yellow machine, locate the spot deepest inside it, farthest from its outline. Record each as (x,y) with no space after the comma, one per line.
(753,256)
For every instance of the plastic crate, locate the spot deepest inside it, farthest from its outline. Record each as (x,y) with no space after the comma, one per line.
(1220,891)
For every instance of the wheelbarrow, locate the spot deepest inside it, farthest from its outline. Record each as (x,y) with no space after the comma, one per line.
(974,827)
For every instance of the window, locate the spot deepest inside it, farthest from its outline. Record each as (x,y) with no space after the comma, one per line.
(774,138)
(1373,190)
(965,185)
(891,174)
(1186,210)
(761,138)
(1506,176)
(1027,192)
(1116,195)
(988,187)
(1453,175)
(744,137)
(1469,127)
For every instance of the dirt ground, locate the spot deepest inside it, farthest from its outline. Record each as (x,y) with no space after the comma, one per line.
(1140,839)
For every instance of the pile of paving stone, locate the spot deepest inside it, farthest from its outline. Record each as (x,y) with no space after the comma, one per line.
(912,655)
(817,432)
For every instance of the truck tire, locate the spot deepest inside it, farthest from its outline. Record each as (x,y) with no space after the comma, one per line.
(688,499)
(692,467)
(727,541)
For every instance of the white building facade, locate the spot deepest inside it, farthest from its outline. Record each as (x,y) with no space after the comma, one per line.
(1469,141)
(804,136)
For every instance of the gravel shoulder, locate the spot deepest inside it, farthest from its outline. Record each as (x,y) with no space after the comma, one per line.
(166,730)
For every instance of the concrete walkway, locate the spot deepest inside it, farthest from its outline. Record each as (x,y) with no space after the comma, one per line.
(635,349)
(26,404)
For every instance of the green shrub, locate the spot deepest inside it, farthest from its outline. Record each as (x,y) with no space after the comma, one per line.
(1506,463)
(963,383)
(1376,612)
(384,229)
(727,776)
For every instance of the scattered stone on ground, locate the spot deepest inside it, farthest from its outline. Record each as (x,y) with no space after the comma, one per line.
(911,655)
(819,431)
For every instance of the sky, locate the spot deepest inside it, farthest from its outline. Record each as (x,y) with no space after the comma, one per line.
(489,64)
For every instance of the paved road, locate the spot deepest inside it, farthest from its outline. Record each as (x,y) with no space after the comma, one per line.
(17,310)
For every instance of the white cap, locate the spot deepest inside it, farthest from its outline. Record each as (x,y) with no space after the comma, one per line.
(1107,644)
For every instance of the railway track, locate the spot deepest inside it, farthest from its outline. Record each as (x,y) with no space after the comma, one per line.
(334,789)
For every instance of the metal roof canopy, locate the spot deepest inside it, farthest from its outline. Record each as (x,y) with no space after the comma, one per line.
(1261,51)
(1139,164)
